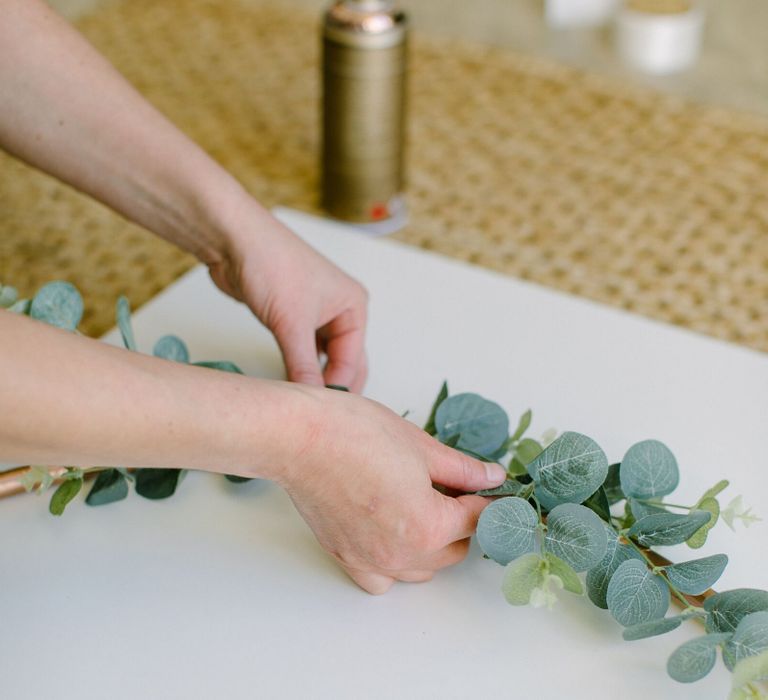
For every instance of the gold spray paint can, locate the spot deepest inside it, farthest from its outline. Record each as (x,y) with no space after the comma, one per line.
(363,115)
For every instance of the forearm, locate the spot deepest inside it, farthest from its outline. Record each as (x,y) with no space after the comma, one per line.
(66,110)
(70,400)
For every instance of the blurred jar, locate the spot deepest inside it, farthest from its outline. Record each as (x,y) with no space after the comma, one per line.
(660,36)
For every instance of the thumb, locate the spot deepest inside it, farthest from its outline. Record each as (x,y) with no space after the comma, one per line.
(459,471)
(299,351)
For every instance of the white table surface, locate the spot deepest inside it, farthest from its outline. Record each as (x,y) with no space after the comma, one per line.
(222,592)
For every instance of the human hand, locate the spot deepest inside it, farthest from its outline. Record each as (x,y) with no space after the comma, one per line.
(308,303)
(363,482)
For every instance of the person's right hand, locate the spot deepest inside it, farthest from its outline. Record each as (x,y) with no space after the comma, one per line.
(363,482)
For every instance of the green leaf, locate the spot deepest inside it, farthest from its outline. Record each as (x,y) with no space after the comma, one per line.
(337,387)
(652,628)
(521,577)
(237,479)
(571,469)
(110,486)
(483,425)
(22,306)
(442,395)
(649,470)
(223,365)
(711,505)
(156,483)
(640,508)
(598,502)
(8,296)
(546,500)
(728,608)
(507,529)
(570,579)
(511,487)
(63,495)
(600,574)
(693,660)
(696,576)
(667,528)
(750,670)
(716,490)
(527,450)
(576,535)
(749,639)
(169,347)
(522,425)
(59,304)
(123,311)
(636,594)
(612,485)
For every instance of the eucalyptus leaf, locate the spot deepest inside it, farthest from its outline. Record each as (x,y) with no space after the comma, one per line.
(522,425)
(156,483)
(749,639)
(576,535)
(652,628)
(123,312)
(223,365)
(599,575)
(570,579)
(59,304)
(507,529)
(483,425)
(612,485)
(598,502)
(63,495)
(110,486)
(711,505)
(648,470)
(511,487)
(527,450)
(728,608)
(521,577)
(716,490)
(22,306)
(170,347)
(546,500)
(235,479)
(636,594)
(8,296)
(641,508)
(696,576)
(571,469)
(667,528)
(442,395)
(694,659)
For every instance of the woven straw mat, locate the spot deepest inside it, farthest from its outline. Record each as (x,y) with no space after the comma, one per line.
(518,164)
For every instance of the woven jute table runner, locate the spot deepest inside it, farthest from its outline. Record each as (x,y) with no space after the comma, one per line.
(518,164)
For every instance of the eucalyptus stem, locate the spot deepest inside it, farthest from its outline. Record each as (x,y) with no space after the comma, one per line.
(658,569)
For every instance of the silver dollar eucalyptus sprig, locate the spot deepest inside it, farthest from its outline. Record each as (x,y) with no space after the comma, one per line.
(563,512)
(60,304)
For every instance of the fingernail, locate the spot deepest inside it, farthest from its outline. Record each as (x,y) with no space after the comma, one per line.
(495,473)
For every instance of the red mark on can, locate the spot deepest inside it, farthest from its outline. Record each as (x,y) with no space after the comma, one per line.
(379,211)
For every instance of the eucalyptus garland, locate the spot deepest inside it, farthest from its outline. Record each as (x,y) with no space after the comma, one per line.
(565,519)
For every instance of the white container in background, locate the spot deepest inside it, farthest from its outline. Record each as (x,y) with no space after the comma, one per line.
(579,13)
(657,42)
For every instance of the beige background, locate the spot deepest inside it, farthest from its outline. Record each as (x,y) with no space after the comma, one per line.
(733,70)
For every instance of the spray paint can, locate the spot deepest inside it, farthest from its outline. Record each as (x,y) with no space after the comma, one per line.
(363,114)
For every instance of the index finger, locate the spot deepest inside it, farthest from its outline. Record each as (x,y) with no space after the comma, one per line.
(345,356)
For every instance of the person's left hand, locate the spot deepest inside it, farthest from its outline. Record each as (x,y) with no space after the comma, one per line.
(308,303)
